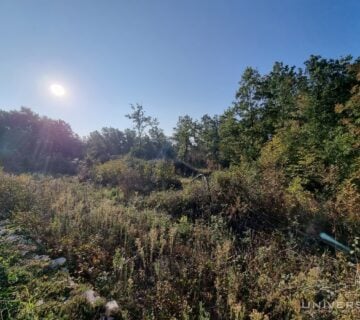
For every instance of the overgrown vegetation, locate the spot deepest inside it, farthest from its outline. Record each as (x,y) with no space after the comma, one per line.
(235,236)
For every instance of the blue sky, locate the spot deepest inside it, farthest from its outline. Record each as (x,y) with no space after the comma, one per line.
(174,57)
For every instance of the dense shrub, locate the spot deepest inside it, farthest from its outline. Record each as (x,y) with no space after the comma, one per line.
(245,196)
(136,175)
(345,207)
(15,193)
(193,201)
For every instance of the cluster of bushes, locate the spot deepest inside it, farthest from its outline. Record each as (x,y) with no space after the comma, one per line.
(136,175)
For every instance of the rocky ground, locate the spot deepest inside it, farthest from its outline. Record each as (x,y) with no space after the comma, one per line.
(35,286)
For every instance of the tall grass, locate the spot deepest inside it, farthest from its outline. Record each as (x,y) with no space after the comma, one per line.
(163,266)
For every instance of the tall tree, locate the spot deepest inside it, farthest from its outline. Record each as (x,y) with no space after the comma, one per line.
(209,138)
(185,136)
(279,92)
(242,130)
(29,142)
(100,146)
(141,121)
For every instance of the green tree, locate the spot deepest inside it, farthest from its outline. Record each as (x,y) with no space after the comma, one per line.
(29,142)
(185,137)
(209,138)
(141,121)
(242,128)
(101,146)
(279,92)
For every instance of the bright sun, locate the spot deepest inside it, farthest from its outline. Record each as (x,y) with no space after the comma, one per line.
(57,90)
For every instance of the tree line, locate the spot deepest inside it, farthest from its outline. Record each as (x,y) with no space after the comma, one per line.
(304,121)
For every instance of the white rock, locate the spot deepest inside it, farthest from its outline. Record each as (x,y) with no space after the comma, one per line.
(24,253)
(111,308)
(91,296)
(14,238)
(72,283)
(39,303)
(56,263)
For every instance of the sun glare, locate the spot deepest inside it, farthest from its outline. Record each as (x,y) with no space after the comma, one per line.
(57,90)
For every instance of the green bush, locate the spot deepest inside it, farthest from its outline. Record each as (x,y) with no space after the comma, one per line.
(194,200)
(136,175)
(15,193)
